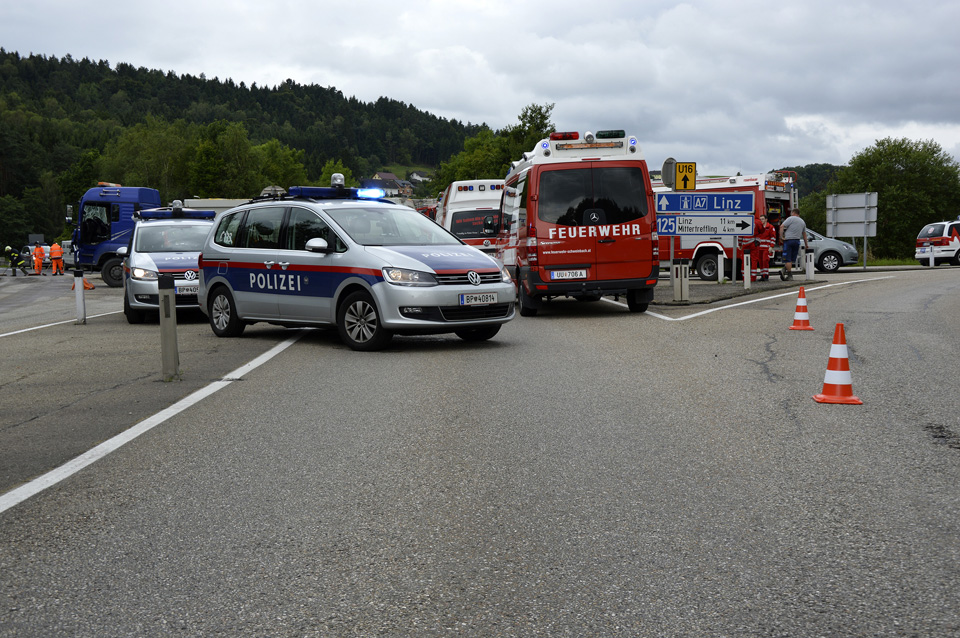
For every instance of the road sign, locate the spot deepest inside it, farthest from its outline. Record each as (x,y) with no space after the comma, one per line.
(668,172)
(852,215)
(686,176)
(669,225)
(733,202)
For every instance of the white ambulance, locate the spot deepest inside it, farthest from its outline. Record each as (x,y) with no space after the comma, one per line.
(469,209)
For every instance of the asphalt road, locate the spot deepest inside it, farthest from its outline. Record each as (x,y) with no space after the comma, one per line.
(588,472)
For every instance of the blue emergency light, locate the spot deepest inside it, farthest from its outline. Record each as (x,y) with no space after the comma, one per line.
(329,192)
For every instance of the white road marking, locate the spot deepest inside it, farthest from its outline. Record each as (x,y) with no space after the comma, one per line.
(51,478)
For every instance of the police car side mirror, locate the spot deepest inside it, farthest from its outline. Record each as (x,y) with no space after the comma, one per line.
(122,251)
(318,245)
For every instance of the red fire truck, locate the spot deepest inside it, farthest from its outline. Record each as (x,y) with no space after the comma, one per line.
(578,220)
(774,194)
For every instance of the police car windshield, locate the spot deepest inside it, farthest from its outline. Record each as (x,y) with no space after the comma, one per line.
(171,239)
(395,226)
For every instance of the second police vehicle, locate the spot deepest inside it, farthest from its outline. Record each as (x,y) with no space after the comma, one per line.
(164,241)
(578,220)
(345,257)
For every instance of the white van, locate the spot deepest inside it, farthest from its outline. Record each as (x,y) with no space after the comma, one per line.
(469,209)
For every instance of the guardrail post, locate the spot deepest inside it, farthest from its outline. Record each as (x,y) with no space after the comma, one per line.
(808,265)
(169,353)
(79,294)
(720,269)
(746,270)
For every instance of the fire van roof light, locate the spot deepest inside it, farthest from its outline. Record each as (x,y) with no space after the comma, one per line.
(571,135)
(612,134)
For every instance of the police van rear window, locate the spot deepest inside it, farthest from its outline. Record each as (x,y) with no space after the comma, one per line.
(590,196)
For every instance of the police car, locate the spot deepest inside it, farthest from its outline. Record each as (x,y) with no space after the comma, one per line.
(164,241)
(344,257)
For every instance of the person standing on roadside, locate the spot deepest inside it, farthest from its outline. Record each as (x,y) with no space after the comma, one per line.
(792,230)
(767,235)
(56,258)
(38,255)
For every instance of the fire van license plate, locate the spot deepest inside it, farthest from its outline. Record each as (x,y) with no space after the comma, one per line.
(568,274)
(478,299)
(186,290)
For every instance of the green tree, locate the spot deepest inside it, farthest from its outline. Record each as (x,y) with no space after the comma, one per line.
(15,223)
(280,165)
(916,183)
(153,154)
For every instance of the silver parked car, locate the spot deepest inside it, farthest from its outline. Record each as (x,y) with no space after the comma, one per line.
(348,258)
(828,254)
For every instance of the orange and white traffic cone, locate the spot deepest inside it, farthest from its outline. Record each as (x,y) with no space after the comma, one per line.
(801,320)
(837,383)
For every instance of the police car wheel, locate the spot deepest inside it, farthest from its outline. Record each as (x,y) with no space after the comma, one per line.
(358,322)
(223,314)
(478,334)
(133,316)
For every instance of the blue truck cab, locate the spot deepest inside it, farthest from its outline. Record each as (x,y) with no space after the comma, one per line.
(105,221)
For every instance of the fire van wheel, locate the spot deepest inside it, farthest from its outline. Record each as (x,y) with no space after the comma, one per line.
(707,267)
(528,305)
(634,303)
(223,314)
(478,334)
(112,272)
(133,316)
(358,322)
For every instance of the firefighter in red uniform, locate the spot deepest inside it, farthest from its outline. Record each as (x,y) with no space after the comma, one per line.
(766,236)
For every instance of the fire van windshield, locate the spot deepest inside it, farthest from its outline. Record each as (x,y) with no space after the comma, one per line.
(617,193)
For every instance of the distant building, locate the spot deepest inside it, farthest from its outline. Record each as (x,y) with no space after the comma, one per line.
(418,177)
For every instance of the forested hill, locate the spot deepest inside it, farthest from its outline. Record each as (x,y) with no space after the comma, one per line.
(53,109)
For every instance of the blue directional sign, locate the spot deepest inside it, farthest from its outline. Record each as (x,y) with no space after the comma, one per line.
(734,202)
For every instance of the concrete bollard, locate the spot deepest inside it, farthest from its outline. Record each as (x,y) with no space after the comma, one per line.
(680,274)
(79,294)
(169,353)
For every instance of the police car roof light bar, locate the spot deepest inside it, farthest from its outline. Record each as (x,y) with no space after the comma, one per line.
(326,192)
(174,212)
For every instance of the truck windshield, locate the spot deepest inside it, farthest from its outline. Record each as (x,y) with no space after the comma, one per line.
(591,196)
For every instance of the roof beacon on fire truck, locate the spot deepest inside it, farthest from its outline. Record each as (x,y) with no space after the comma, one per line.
(469,208)
(578,220)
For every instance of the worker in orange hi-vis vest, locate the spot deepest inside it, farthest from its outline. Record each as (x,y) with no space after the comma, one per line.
(767,237)
(56,258)
(38,255)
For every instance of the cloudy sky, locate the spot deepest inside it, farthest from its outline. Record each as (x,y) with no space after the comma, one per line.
(734,86)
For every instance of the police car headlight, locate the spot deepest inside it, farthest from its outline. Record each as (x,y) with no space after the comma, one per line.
(141,273)
(505,275)
(404,277)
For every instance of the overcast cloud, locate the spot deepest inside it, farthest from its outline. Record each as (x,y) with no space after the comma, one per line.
(733,86)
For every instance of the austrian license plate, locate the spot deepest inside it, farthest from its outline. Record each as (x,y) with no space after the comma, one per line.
(923,250)
(186,290)
(568,274)
(478,299)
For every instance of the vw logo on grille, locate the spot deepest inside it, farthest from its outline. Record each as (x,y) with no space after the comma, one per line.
(190,275)
(473,278)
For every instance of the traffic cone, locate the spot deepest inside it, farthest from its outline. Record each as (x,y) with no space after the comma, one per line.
(801,320)
(86,284)
(837,383)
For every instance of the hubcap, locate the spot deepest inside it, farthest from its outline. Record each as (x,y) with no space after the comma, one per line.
(360,321)
(221,312)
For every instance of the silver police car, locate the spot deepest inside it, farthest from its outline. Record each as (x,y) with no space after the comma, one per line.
(164,241)
(345,257)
